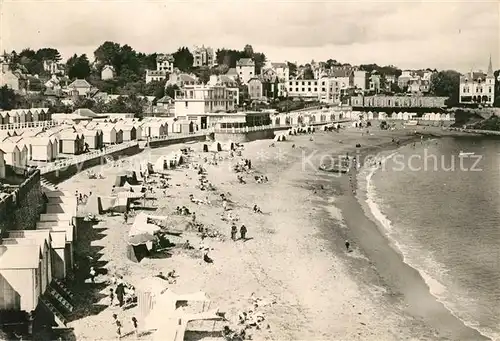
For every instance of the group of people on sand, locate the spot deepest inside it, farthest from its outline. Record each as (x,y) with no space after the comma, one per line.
(234,232)
(119,326)
(82,198)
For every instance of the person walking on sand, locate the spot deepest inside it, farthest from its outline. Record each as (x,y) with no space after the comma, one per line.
(125,217)
(347,245)
(243,232)
(234,231)
(134,323)
(111,297)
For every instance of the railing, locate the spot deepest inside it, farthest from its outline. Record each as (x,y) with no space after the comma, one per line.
(474,131)
(24,125)
(61,164)
(175,136)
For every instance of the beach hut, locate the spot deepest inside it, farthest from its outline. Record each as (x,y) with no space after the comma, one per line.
(20,279)
(65,253)
(138,131)
(42,239)
(279,138)
(14,117)
(58,254)
(2,164)
(216,147)
(128,132)
(154,129)
(12,154)
(71,142)
(109,134)
(40,149)
(21,116)
(5,117)
(205,147)
(93,138)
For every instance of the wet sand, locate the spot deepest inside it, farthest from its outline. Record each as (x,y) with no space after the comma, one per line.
(295,255)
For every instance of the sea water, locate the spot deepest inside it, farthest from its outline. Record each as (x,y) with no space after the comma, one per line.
(442,212)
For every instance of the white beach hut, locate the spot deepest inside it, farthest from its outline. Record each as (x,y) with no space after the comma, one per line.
(12,154)
(41,148)
(20,269)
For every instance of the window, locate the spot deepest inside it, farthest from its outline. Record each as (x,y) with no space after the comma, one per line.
(308,83)
(309,89)
(489,90)
(303,89)
(296,83)
(315,89)
(297,89)
(323,89)
(322,83)
(186,103)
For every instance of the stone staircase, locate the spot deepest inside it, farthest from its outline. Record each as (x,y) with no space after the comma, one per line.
(58,317)
(47,184)
(59,286)
(61,301)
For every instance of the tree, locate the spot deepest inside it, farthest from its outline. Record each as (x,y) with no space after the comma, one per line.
(170,90)
(47,53)
(155,88)
(395,88)
(292,69)
(308,72)
(78,67)
(108,54)
(446,83)
(248,51)
(183,59)
(8,98)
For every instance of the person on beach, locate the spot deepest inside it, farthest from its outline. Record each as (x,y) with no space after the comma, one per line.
(92,274)
(120,293)
(243,232)
(135,324)
(234,231)
(111,297)
(347,245)
(118,329)
(125,217)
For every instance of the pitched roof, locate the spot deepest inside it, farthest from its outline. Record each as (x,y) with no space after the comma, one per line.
(341,73)
(9,147)
(245,61)
(80,83)
(232,71)
(85,112)
(19,256)
(186,78)
(279,65)
(165,99)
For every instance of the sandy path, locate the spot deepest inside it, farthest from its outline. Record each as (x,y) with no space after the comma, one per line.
(288,257)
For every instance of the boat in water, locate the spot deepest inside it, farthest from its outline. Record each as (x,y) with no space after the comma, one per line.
(465,153)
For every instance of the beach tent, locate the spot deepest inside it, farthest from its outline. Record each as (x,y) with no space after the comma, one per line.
(135,189)
(121,205)
(280,137)
(229,145)
(136,253)
(205,148)
(107,203)
(94,205)
(147,292)
(120,180)
(216,147)
(159,164)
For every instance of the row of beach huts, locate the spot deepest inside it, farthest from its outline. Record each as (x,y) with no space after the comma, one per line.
(34,263)
(19,147)
(431,116)
(24,115)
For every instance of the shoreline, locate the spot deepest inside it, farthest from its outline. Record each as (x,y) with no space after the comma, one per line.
(294,255)
(407,280)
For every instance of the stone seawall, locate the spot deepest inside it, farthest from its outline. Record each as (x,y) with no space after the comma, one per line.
(21,209)
(184,139)
(57,176)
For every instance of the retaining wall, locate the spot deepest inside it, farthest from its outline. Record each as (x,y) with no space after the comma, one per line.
(21,209)
(184,139)
(57,176)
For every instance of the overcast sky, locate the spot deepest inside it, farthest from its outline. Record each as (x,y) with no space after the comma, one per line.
(443,35)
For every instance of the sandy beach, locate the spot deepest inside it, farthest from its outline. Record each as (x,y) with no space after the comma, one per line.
(294,255)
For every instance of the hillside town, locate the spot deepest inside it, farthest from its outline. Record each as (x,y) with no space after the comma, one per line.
(139,199)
